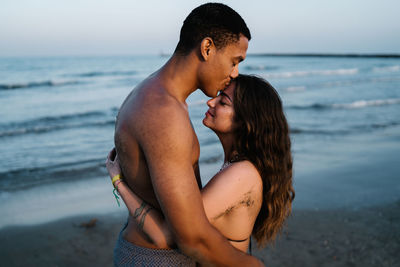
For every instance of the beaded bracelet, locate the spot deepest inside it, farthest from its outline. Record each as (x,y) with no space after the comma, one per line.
(116,178)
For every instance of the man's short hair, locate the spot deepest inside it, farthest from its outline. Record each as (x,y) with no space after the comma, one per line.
(215,20)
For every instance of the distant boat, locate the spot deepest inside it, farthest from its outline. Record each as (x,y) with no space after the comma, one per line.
(162,54)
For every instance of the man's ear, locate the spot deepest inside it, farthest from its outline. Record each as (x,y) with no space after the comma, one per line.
(206,48)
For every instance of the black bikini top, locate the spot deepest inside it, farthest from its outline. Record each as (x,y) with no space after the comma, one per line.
(242,241)
(237,240)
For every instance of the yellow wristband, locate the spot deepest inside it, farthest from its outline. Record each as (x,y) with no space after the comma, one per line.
(116,178)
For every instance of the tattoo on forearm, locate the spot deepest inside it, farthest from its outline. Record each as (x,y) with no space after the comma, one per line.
(139,210)
(141,223)
(141,213)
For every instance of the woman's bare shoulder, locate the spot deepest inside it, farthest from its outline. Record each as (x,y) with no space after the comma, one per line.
(237,179)
(244,173)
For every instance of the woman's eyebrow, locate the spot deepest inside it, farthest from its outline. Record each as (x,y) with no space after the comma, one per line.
(223,93)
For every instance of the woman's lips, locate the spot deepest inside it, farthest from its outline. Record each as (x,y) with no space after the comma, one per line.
(209,113)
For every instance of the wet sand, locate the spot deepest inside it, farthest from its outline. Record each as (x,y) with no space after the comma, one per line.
(365,237)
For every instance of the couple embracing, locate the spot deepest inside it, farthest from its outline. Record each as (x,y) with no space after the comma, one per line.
(173,220)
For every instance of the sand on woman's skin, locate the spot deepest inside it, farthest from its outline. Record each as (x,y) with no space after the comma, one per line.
(365,237)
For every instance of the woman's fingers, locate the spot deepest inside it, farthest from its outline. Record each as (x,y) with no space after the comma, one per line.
(111,155)
(112,163)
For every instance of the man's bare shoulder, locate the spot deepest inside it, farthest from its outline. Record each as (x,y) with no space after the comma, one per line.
(150,105)
(159,117)
(162,110)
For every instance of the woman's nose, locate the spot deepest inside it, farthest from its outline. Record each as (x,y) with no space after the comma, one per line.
(211,102)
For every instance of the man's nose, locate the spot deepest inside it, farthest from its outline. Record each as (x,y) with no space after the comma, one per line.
(235,72)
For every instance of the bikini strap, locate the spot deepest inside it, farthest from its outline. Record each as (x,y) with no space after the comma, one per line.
(243,241)
(237,240)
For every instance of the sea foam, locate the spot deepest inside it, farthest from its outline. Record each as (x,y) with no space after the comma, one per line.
(366,103)
(312,72)
(48,83)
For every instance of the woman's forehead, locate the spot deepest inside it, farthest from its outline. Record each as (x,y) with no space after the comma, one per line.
(230,89)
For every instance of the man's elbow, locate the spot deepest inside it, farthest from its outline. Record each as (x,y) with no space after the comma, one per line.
(190,243)
(196,244)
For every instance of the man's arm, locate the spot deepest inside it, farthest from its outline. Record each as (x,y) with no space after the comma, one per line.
(166,139)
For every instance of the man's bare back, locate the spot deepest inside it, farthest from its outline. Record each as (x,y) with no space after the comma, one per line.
(148,99)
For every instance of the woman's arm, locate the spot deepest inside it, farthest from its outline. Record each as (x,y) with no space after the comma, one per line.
(154,225)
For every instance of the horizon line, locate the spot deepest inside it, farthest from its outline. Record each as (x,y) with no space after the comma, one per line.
(257,54)
(349,55)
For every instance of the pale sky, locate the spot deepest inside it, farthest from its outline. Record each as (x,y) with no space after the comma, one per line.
(106,27)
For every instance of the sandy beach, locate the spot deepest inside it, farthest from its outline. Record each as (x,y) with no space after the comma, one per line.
(364,237)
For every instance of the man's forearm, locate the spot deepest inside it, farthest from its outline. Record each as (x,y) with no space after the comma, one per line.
(210,248)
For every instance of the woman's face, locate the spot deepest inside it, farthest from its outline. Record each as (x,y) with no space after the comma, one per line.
(219,116)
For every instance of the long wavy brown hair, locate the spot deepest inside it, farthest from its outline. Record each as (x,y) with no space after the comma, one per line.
(262,137)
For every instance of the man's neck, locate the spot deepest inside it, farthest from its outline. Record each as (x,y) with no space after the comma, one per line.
(179,76)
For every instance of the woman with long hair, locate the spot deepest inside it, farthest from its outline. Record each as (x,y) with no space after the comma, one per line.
(252,193)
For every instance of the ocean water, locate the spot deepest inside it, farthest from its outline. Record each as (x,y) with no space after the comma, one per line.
(57,117)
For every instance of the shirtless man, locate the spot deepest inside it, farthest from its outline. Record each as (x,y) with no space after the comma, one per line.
(156,143)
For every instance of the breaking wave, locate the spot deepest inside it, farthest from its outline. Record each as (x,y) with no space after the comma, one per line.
(48,83)
(47,124)
(261,67)
(291,74)
(105,73)
(352,105)
(394,68)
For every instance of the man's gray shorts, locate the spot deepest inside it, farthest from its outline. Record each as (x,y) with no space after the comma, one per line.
(128,254)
